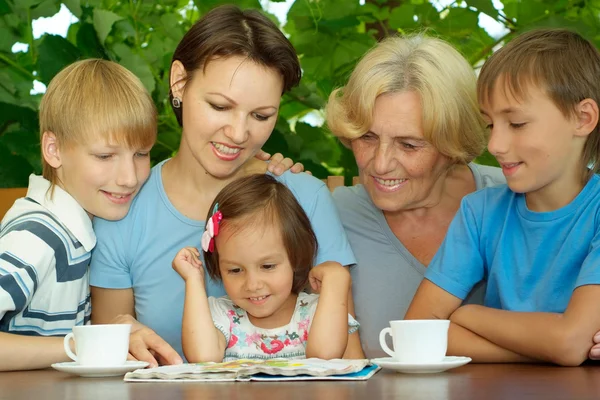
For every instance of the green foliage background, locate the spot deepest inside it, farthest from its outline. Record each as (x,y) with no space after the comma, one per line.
(329,35)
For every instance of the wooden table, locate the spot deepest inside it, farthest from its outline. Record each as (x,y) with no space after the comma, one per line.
(512,382)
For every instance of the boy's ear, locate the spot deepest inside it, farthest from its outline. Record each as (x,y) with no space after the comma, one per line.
(178,78)
(50,150)
(587,117)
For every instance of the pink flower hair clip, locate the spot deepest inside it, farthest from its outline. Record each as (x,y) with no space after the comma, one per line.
(212,230)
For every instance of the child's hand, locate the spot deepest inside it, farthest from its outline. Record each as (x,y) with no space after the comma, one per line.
(328,271)
(187,264)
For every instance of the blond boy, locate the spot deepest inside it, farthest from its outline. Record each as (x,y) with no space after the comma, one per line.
(97,126)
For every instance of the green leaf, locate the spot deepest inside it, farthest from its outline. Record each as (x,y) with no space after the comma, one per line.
(19,135)
(15,86)
(54,53)
(348,162)
(14,169)
(316,169)
(88,42)
(7,38)
(45,9)
(135,64)
(72,32)
(103,22)
(74,6)
(487,159)
(427,14)
(317,144)
(171,25)
(206,5)
(403,17)
(8,90)
(4,8)
(525,12)
(26,4)
(277,144)
(25,143)
(458,23)
(485,6)
(16,114)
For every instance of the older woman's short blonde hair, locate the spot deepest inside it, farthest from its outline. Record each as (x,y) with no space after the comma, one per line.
(432,68)
(92,99)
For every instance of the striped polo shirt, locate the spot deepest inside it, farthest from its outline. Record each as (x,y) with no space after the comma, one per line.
(45,250)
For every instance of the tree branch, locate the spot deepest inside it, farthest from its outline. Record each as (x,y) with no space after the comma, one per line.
(16,66)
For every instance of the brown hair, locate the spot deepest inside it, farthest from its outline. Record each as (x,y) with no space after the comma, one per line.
(261,197)
(561,63)
(227,31)
(96,98)
(430,67)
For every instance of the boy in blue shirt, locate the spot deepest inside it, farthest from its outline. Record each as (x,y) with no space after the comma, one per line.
(97,126)
(535,240)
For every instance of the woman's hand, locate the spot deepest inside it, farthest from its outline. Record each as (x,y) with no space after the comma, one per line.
(188,265)
(146,345)
(278,164)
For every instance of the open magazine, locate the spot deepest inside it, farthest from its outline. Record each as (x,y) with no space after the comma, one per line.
(277,369)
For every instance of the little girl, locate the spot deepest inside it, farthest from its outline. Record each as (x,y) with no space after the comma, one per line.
(260,243)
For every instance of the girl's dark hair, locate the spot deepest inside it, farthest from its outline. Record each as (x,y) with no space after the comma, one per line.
(227,31)
(261,195)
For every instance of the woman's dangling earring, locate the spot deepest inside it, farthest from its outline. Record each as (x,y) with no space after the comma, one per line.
(176,102)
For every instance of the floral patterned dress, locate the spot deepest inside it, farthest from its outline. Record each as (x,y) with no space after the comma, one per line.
(246,341)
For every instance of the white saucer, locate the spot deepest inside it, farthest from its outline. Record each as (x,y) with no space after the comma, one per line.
(430,368)
(98,372)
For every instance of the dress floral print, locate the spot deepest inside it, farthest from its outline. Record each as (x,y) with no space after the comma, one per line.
(246,341)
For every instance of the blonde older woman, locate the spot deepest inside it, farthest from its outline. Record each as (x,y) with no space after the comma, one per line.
(409,113)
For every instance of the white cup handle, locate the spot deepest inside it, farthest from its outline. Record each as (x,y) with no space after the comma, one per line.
(67,346)
(383,343)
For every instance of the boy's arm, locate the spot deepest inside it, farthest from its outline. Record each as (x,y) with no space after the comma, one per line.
(433,302)
(328,335)
(20,352)
(117,306)
(21,272)
(202,341)
(564,339)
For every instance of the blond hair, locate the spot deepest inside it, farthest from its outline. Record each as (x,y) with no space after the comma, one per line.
(97,98)
(432,68)
(561,63)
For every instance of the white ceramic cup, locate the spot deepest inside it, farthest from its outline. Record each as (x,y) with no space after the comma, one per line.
(416,341)
(99,345)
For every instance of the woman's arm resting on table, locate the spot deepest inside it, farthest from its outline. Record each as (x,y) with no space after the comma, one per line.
(20,352)
(433,302)
(116,306)
(565,339)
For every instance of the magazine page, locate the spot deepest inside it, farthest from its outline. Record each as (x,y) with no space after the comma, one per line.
(242,369)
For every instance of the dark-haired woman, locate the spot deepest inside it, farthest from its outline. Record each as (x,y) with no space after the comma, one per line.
(227,77)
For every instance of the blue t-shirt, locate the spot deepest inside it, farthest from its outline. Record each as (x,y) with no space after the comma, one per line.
(532,260)
(137,251)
